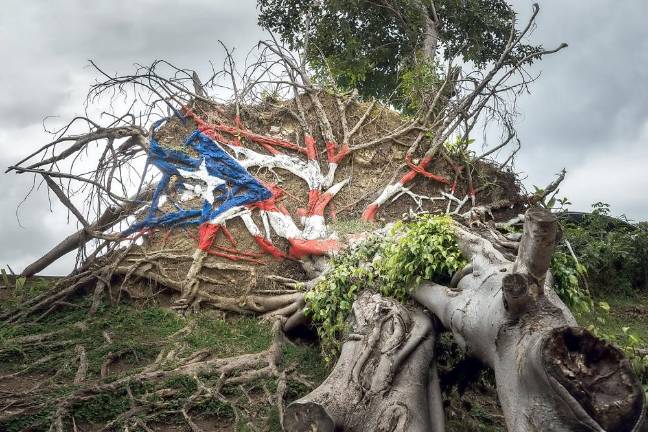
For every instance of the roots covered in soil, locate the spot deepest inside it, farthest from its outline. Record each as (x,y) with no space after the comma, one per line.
(137,365)
(133,367)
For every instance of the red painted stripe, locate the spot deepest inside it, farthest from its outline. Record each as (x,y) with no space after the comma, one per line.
(301,248)
(238,252)
(229,236)
(311,150)
(265,141)
(313,198)
(331,148)
(344,151)
(234,257)
(320,205)
(369,214)
(206,235)
(268,247)
(420,169)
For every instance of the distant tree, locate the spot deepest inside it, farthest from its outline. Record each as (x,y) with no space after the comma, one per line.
(375,45)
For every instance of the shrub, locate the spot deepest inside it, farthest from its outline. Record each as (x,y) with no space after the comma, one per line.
(425,248)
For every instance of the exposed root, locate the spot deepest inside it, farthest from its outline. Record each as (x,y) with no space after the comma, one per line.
(210,374)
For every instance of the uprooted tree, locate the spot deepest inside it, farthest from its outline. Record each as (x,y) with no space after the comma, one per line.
(178,158)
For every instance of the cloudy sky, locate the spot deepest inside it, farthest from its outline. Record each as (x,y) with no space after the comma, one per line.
(588,112)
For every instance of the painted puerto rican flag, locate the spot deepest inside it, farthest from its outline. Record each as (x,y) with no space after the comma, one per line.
(228,191)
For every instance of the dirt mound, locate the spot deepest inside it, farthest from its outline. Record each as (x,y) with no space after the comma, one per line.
(369,171)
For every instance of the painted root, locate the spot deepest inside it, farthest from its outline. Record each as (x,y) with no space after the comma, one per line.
(393,191)
(382,380)
(551,375)
(228,191)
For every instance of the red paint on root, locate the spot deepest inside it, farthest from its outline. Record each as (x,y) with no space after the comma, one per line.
(320,205)
(369,214)
(302,248)
(228,235)
(234,257)
(271,203)
(233,251)
(311,150)
(268,247)
(206,235)
(344,151)
(472,194)
(332,153)
(420,169)
(313,198)
(212,130)
(407,178)
(166,237)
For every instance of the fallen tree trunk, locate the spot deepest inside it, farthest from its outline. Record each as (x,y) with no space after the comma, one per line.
(551,375)
(382,380)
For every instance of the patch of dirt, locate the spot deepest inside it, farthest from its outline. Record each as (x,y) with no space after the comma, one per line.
(638,311)
(20,383)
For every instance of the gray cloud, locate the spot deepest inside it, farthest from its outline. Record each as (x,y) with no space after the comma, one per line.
(588,112)
(591,100)
(29,229)
(48,43)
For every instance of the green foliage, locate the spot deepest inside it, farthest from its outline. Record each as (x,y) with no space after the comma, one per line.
(216,408)
(38,422)
(551,202)
(22,289)
(569,281)
(614,252)
(418,83)
(458,147)
(425,248)
(101,408)
(309,360)
(370,46)
(329,302)
(143,332)
(5,277)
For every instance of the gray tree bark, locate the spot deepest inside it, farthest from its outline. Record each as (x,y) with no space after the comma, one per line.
(384,380)
(551,374)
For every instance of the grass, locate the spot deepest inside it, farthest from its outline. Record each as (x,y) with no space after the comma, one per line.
(625,311)
(229,337)
(352,226)
(626,325)
(143,331)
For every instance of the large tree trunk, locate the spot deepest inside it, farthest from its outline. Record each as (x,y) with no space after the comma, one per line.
(551,375)
(384,380)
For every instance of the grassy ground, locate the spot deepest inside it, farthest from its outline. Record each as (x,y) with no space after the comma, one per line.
(138,333)
(625,311)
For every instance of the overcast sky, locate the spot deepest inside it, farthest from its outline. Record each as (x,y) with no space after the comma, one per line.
(588,112)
